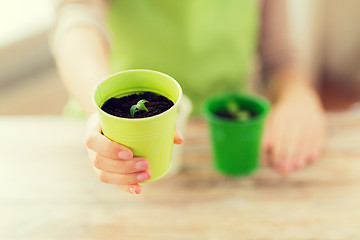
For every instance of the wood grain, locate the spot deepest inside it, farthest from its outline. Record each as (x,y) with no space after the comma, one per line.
(48,191)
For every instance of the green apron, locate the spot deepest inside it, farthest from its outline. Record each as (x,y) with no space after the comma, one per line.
(208,46)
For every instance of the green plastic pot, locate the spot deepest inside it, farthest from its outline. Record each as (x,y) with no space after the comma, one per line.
(236,144)
(152,137)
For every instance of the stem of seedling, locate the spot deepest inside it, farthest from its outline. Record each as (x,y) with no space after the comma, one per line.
(139,106)
(235,110)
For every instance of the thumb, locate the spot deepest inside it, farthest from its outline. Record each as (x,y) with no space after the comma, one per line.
(178,138)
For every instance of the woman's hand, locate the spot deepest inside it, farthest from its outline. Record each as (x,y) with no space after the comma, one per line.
(295,129)
(115,163)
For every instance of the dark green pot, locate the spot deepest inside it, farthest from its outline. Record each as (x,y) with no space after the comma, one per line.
(236,144)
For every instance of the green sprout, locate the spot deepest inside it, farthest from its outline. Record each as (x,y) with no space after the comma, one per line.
(139,106)
(236,111)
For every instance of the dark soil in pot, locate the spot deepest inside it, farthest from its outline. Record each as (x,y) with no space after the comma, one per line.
(120,107)
(230,116)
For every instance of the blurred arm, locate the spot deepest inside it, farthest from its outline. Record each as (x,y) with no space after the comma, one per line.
(80,46)
(279,70)
(296,127)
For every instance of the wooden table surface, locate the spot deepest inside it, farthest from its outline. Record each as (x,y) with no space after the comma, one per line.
(48,191)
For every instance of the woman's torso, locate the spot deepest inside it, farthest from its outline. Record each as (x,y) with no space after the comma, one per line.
(207,45)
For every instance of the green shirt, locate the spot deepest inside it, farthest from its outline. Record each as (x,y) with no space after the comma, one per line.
(208,46)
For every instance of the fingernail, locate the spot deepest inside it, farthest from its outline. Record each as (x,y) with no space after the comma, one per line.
(125,155)
(132,190)
(149,173)
(277,164)
(141,165)
(311,158)
(281,165)
(297,165)
(300,164)
(142,176)
(288,167)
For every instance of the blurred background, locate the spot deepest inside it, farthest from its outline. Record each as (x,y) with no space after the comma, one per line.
(29,83)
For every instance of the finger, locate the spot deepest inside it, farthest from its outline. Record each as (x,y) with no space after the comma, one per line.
(133,189)
(279,157)
(178,138)
(294,145)
(301,157)
(301,152)
(266,146)
(107,148)
(277,142)
(136,164)
(313,152)
(125,179)
(273,139)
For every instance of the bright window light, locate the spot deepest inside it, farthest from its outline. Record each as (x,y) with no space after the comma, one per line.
(22,18)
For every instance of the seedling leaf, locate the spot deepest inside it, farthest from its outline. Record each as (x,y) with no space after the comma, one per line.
(139,106)
(243,115)
(232,107)
(235,110)
(133,110)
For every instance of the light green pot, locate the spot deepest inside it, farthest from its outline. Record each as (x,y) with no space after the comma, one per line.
(152,137)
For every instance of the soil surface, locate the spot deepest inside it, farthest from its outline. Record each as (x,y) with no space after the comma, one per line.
(120,107)
(229,116)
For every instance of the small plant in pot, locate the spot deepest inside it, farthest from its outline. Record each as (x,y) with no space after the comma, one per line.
(233,111)
(135,105)
(236,123)
(138,108)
